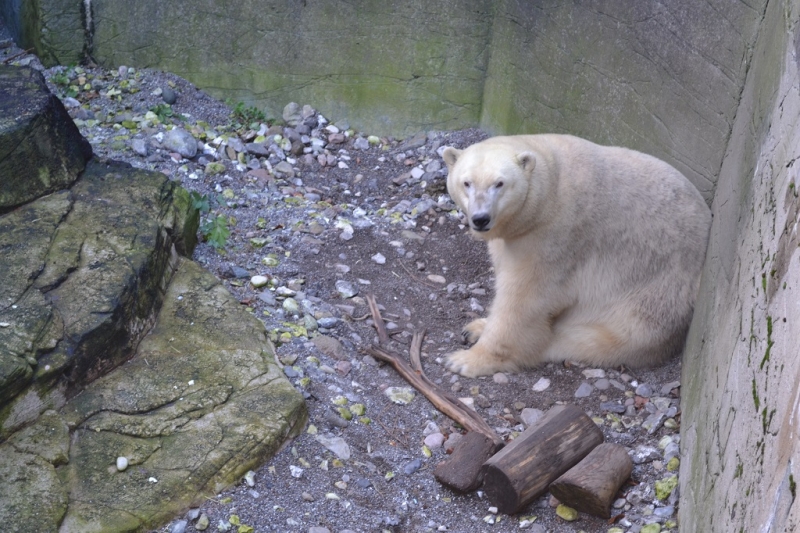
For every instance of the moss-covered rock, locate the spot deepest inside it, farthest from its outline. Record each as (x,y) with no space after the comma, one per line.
(41,149)
(193,411)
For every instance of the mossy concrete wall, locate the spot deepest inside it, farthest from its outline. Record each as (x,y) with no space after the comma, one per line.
(741,375)
(664,78)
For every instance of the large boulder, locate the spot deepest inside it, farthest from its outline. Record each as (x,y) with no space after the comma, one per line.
(113,345)
(41,149)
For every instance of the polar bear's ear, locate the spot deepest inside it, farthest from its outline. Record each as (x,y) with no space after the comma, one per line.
(450,156)
(527,160)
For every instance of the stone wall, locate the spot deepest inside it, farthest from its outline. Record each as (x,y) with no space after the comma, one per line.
(741,375)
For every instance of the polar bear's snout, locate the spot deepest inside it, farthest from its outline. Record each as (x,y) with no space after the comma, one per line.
(480,221)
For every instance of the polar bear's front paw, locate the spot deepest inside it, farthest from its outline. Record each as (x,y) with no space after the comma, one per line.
(472,331)
(472,363)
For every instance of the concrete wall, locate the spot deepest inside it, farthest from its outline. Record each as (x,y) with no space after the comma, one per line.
(741,374)
(662,77)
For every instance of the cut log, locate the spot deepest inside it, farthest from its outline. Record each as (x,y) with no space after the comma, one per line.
(591,485)
(462,470)
(522,471)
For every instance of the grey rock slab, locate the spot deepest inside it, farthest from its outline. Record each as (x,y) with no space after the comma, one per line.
(213,405)
(76,288)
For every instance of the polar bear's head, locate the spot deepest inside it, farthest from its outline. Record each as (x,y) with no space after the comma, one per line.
(490,182)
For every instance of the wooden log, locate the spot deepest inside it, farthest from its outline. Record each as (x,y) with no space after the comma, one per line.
(591,485)
(462,471)
(522,471)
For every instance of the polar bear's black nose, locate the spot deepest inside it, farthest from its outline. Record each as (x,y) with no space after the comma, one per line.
(480,221)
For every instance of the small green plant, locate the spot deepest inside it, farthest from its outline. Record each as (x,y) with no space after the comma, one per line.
(247,115)
(214,229)
(163,112)
(60,79)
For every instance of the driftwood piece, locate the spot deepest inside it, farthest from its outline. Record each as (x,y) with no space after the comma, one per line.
(462,471)
(443,400)
(591,485)
(523,469)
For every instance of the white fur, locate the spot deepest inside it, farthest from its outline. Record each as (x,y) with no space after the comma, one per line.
(597,252)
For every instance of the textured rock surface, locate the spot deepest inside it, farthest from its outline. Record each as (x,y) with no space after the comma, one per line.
(83,277)
(193,409)
(741,375)
(41,149)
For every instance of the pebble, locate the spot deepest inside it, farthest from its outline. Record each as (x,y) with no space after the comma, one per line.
(259,281)
(379,259)
(337,445)
(169,95)
(530,416)
(584,390)
(430,428)
(541,385)
(399,395)
(202,523)
(434,440)
(644,390)
(644,454)
(612,407)
(181,141)
(327,322)
(411,467)
(268,298)
(602,384)
(654,422)
(179,526)
(500,378)
(567,513)
(122,463)
(318,529)
(346,289)
(594,373)
(139,146)
(436,278)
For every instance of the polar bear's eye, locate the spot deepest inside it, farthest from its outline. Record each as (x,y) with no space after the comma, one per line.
(467,185)
(498,184)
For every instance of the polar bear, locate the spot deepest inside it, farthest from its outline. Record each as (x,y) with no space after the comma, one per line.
(597,252)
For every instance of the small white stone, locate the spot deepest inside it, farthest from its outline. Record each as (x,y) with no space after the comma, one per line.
(436,278)
(379,258)
(259,281)
(122,463)
(152,480)
(594,373)
(541,385)
(500,378)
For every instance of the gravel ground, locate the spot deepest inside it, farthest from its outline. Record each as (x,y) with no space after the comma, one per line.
(351,215)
